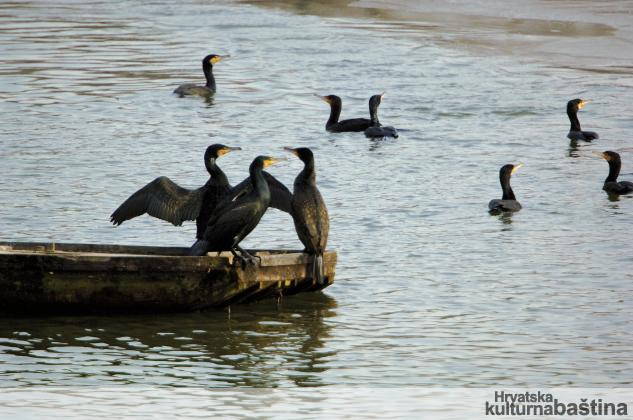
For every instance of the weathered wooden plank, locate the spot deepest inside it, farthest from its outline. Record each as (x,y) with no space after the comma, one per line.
(97,248)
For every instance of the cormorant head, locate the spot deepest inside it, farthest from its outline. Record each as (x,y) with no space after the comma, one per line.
(610,156)
(216,150)
(265,161)
(375,100)
(331,99)
(508,170)
(302,153)
(576,104)
(211,59)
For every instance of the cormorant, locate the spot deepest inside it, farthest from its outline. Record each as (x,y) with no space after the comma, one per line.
(376,129)
(575,132)
(508,202)
(209,88)
(166,200)
(611,184)
(309,212)
(233,220)
(333,125)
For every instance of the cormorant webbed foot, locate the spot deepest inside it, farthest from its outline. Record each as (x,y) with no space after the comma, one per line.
(244,258)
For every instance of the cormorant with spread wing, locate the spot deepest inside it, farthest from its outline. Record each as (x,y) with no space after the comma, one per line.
(166,200)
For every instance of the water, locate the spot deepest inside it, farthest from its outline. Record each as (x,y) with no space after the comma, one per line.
(430,289)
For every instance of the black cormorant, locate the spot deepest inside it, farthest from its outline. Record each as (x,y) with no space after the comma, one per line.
(508,202)
(611,184)
(166,200)
(233,220)
(309,212)
(377,129)
(333,125)
(575,132)
(209,88)
(280,196)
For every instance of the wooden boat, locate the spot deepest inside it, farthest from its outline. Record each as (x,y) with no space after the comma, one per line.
(52,277)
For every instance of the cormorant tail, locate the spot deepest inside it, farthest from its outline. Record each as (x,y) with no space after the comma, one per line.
(318,275)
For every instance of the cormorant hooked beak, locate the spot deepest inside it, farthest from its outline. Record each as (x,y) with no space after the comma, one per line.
(324,98)
(291,150)
(583,102)
(217,58)
(223,151)
(269,161)
(516,168)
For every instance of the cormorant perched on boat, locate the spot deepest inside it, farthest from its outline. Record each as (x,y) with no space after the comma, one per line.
(209,88)
(333,125)
(575,132)
(166,200)
(508,202)
(309,212)
(611,184)
(234,219)
(376,129)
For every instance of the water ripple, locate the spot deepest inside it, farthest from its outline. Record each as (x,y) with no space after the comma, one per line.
(430,289)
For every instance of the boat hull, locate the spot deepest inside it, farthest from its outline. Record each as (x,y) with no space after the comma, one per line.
(88,278)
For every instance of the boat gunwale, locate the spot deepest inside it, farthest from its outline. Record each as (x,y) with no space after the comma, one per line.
(91,257)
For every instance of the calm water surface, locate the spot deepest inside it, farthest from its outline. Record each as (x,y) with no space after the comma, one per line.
(430,289)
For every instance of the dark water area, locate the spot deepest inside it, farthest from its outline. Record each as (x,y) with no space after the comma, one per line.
(430,289)
(254,347)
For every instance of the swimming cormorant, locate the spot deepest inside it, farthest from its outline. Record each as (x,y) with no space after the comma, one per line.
(377,130)
(166,200)
(209,88)
(333,125)
(508,202)
(309,212)
(575,132)
(233,220)
(611,184)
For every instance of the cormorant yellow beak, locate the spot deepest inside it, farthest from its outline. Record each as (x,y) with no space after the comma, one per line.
(269,161)
(291,150)
(516,168)
(382,94)
(226,150)
(583,102)
(217,58)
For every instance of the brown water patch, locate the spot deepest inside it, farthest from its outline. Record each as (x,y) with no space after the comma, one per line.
(581,35)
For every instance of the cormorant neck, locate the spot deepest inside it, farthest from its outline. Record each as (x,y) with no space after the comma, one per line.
(308,174)
(508,194)
(215,172)
(573,118)
(614,170)
(260,186)
(335,113)
(373,115)
(207,68)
